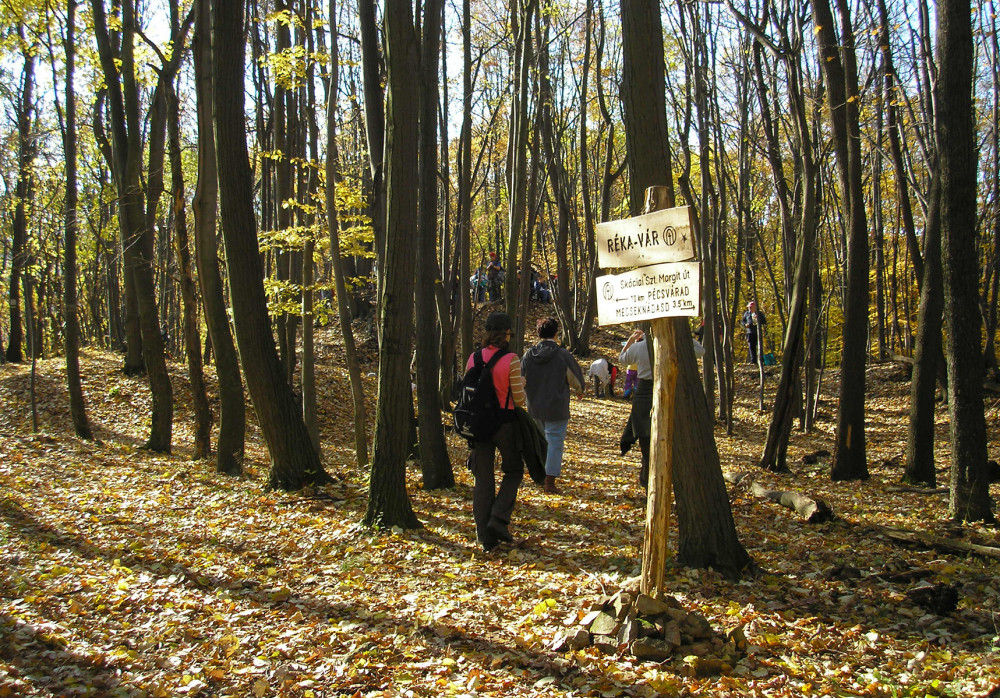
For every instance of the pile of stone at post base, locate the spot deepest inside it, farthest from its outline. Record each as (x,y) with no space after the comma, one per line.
(655,630)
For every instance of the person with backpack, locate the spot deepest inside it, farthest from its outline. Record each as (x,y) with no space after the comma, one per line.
(549,373)
(492,507)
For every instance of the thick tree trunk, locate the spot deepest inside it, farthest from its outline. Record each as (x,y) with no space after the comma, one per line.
(232,405)
(388,502)
(294,462)
(956,139)
(706,530)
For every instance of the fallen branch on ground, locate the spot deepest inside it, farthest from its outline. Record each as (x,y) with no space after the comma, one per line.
(812,510)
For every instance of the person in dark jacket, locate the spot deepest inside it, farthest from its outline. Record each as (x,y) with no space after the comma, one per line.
(549,372)
(753,322)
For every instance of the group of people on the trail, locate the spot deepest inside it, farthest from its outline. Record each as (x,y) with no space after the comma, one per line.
(488,284)
(533,393)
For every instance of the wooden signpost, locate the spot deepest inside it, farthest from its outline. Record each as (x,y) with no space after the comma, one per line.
(662,286)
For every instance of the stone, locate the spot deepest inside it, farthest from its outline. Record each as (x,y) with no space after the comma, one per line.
(651,648)
(604,624)
(646,605)
(672,634)
(577,639)
(605,645)
(622,605)
(696,626)
(629,632)
(648,629)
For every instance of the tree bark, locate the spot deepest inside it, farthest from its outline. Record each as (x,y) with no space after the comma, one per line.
(706,530)
(294,461)
(337,261)
(388,502)
(837,58)
(919,468)
(435,464)
(71,336)
(123,99)
(23,188)
(189,303)
(232,405)
(956,140)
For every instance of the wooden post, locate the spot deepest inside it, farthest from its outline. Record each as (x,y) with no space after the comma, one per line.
(660,491)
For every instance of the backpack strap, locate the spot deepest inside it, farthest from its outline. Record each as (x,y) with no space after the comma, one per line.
(492,362)
(493,359)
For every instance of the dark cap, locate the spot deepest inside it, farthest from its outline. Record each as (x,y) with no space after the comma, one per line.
(498,321)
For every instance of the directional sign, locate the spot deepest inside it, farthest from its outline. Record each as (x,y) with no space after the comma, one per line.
(661,236)
(661,290)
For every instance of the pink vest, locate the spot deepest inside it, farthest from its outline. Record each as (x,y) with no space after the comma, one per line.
(501,374)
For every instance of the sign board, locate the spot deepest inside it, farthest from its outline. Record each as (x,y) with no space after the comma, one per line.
(647,293)
(661,236)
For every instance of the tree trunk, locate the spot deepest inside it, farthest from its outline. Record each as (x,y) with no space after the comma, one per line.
(388,502)
(337,261)
(920,434)
(522,14)
(435,464)
(232,405)
(838,60)
(189,304)
(706,530)
(294,462)
(375,128)
(956,140)
(71,335)
(788,395)
(123,98)
(23,188)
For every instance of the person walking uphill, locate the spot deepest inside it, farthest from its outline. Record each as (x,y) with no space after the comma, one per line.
(549,373)
(492,507)
(639,427)
(753,320)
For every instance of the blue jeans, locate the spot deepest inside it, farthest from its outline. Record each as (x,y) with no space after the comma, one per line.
(555,435)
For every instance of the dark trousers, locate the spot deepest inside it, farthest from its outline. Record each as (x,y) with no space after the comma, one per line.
(752,343)
(488,502)
(644,468)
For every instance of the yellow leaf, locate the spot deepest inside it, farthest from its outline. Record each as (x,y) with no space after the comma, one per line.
(260,687)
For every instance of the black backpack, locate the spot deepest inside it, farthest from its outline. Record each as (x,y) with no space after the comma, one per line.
(477,412)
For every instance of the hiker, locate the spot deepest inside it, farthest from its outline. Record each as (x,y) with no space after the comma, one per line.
(753,322)
(549,373)
(494,277)
(492,508)
(477,282)
(638,427)
(604,374)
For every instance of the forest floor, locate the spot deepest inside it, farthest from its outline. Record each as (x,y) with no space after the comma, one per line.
(124,572)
